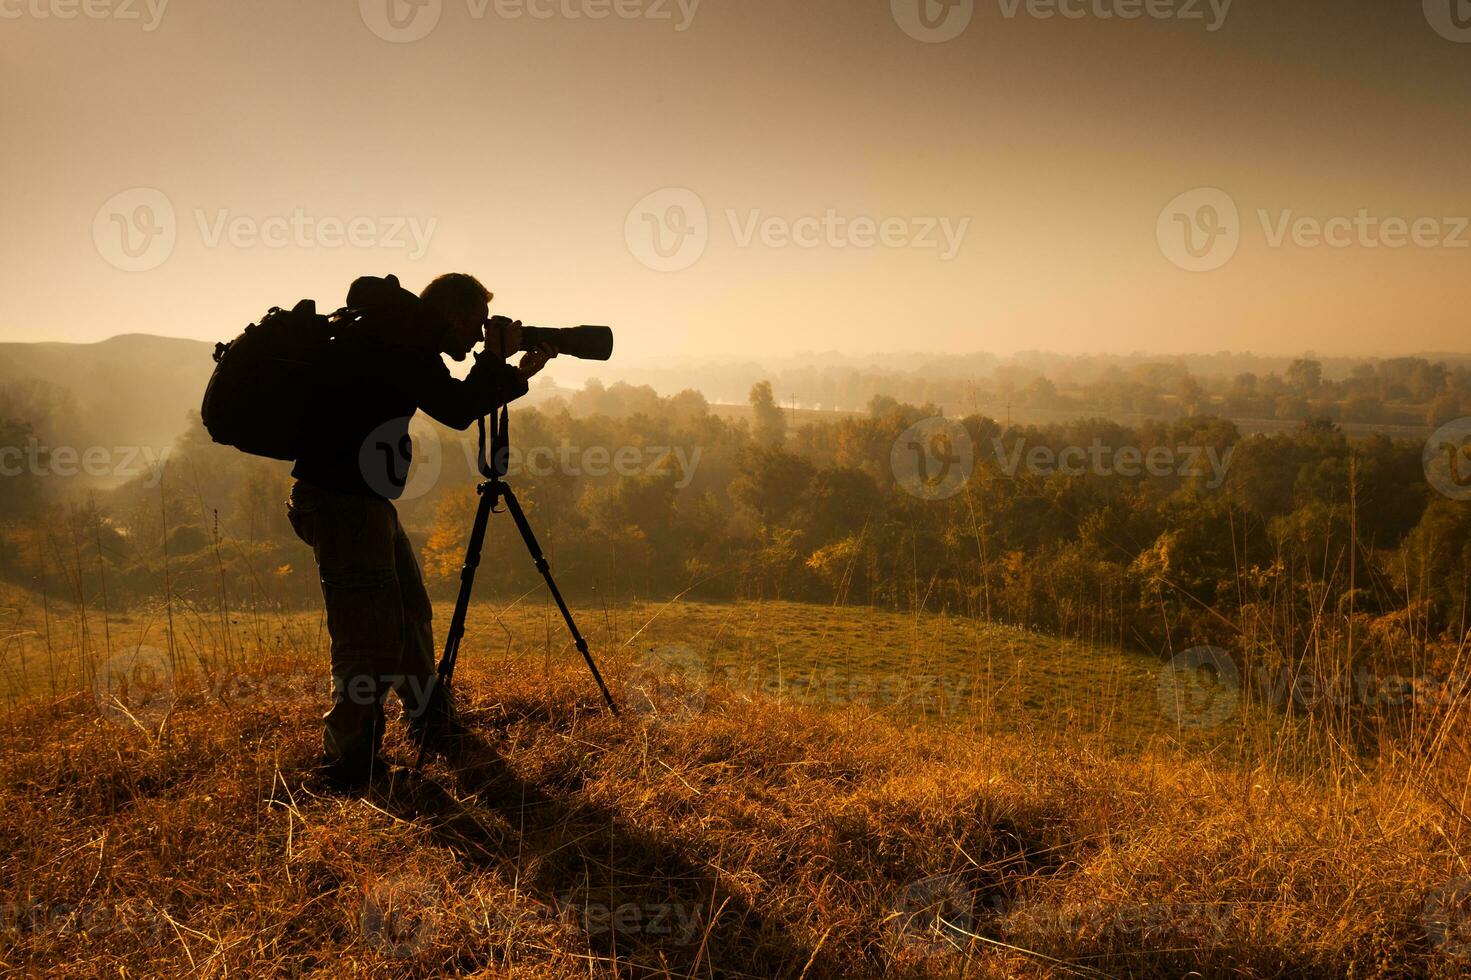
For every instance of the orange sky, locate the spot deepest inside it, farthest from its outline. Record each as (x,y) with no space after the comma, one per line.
(820,178)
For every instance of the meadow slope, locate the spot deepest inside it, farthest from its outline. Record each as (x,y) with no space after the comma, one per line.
(708,834)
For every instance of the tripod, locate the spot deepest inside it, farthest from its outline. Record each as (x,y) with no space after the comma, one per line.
(493,491)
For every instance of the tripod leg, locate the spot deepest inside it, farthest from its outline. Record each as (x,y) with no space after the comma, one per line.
(519,516)
(440,682)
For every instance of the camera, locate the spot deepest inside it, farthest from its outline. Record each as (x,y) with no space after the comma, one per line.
(585,342)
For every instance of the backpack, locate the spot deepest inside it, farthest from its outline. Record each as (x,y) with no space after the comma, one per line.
(263,380)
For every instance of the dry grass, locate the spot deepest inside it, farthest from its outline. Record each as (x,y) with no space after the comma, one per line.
(993,678)
(699,837)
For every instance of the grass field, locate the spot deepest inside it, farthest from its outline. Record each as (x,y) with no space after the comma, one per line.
(747,839)
(791,791)
(857,661)
(920,668)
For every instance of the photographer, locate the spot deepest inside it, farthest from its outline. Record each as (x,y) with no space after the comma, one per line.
(353,463)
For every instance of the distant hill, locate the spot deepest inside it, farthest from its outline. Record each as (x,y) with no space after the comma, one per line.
(129,390)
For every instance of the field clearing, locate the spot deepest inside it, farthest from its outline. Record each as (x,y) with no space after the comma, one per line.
(917,668)
(792,790)
(186,837)
(923,668)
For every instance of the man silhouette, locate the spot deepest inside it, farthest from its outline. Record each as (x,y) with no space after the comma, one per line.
(353,463)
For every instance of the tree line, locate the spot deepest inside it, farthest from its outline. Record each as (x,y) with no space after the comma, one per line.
(1256,541)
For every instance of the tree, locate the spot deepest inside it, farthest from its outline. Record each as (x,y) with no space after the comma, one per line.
(1190,394)
(1447,407)
(1243,395)
(771,483)
(1438,560)
(1040,393)
(444,552)
(771,423)
(1305,375)
(21,490)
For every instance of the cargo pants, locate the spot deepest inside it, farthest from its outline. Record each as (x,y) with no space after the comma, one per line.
(378,615)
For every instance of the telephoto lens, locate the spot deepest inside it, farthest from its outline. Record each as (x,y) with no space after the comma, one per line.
(589,343)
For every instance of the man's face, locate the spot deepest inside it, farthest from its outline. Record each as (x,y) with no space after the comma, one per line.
(465,330)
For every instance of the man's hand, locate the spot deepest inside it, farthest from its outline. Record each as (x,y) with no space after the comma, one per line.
(535,360)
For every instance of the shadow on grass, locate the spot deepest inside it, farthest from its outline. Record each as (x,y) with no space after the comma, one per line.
(639,901)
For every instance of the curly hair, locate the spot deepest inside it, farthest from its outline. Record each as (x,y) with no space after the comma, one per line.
(455,292)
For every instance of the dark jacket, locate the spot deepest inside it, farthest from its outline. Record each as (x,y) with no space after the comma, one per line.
(386,367)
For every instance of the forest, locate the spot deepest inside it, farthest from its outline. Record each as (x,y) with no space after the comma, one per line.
(1278,545)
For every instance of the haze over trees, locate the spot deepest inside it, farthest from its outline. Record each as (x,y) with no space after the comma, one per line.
(1240,539)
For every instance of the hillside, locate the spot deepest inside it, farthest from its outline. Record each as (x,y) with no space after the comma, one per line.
(745,840)
(162,820)
(858,661)
(130,390)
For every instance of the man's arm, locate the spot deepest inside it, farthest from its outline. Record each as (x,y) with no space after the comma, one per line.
(456,403)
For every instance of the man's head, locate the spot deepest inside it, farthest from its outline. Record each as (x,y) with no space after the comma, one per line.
(463,304)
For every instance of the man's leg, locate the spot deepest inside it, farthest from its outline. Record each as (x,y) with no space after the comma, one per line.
(416,666)
(354,540)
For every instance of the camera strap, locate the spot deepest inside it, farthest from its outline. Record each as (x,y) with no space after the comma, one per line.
(495,464)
